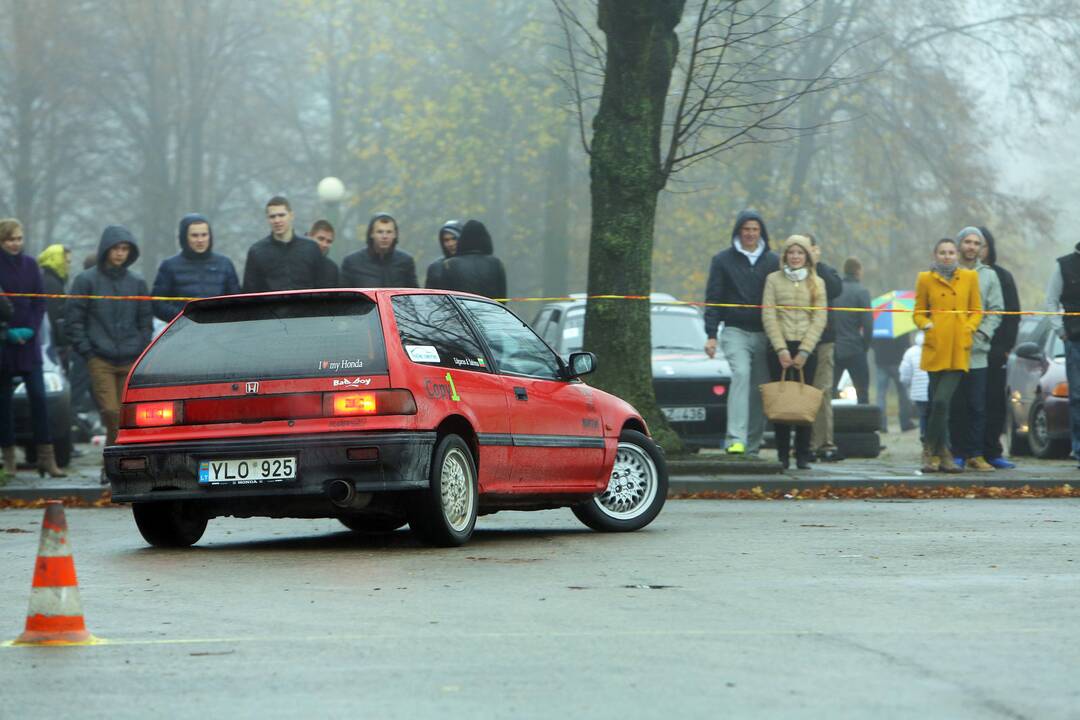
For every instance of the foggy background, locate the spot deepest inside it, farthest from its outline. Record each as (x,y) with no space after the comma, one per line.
(139,111)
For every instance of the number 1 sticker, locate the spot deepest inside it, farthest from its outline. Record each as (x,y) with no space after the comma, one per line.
(453,390)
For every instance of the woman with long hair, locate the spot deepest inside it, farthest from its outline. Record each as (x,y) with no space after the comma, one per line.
(948,310)
(793,332)
(19,273)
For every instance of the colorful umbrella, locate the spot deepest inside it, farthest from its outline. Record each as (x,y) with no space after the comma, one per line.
(893,313)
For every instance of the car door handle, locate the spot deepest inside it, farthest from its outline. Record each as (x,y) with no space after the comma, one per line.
(520,394)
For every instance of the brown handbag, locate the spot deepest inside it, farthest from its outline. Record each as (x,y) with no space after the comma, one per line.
(791,402)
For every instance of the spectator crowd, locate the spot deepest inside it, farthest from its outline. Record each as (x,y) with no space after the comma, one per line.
(772,314)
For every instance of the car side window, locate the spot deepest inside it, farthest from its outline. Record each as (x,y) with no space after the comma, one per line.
(433,332)
(516,348)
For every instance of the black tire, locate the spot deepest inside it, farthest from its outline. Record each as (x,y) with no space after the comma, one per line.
(856,418)
(374,524)
(1018,444)
(170,524)
(1042,446)
(628,506)
(447,521)
(858,445)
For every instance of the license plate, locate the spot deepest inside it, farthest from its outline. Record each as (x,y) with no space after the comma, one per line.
(245,471)
(684,414)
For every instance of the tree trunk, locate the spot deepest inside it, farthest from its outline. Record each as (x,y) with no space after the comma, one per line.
(626,179)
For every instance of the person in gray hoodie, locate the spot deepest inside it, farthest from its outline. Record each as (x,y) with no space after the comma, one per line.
(967,417)
(110,334)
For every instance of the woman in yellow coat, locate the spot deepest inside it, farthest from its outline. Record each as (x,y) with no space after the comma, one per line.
(948,309)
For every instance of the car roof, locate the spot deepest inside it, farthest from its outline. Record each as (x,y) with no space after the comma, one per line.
(373,294)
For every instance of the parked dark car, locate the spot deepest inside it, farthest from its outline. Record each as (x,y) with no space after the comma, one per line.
(690,387)
(1038,392)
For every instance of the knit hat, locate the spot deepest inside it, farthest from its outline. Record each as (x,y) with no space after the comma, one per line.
(801,241)
(970,230)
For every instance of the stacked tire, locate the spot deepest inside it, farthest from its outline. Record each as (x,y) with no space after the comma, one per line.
(855,430)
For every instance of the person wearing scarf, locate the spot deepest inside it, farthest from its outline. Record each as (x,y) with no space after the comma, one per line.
(948,309)
(793,332)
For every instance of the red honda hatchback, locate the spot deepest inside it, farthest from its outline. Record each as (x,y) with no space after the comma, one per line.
(377,407)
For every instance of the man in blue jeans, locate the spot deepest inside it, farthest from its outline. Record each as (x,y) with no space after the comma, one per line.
(1063,293)
(737,276)
(967,419)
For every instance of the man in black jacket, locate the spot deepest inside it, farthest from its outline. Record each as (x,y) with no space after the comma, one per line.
(380,264)
(110,334)
(1000,345)
(737,276)
(474,268)
(854,331)
(821,438)
(284,260)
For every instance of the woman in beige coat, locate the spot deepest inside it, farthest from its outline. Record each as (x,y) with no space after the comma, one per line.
(794,331)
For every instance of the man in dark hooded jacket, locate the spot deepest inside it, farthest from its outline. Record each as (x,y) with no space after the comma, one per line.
(284,260)
(474,268)
(110,334)
(380,264)
(197,271)
(737,276)
(1001,343)
(449,234)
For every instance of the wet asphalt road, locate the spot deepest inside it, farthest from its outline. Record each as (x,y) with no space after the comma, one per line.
(720,609)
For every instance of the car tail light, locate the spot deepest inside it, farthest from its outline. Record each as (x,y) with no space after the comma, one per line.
(719,390)
(1061,390)
(154,414)
(376,402)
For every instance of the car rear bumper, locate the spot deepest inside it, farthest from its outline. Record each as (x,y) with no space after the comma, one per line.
(172,469)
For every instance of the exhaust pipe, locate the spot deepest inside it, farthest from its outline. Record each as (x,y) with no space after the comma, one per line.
(342,493)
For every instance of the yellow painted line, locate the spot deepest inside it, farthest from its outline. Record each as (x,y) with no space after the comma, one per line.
(519,635)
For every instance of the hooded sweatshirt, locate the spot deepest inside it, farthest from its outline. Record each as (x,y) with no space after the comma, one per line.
(474,268)
(992,300)
(192,274)
(19,273)
(1005,336)
(735,278)
(54,273)
(433,279)
(367,269)
(115,330)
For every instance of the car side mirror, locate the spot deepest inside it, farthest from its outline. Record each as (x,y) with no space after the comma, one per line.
(580,363)
(1029,351)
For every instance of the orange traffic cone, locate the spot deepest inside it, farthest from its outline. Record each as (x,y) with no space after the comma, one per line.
(55,616)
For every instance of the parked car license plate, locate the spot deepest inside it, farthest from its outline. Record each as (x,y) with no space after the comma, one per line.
(684,414)
(247,470)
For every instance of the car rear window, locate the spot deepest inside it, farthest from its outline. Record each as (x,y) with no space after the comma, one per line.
(267,339)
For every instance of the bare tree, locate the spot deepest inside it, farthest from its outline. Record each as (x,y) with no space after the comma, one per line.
(741,71)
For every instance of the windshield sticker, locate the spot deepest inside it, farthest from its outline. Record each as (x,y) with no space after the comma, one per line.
(571,332)
(344,364)
(422,353)
(352,382)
